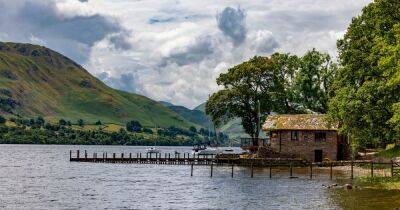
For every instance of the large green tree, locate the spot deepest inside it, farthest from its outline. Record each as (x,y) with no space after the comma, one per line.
(282,83)
(246,90)
(313,81)
(366,86)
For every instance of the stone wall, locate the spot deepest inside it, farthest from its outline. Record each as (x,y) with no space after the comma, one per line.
(305,145)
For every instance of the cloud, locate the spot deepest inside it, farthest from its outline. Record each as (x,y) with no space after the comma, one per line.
(193,53)
(64,33)
(125,82)
(174,50)
(232,22)
(264,42)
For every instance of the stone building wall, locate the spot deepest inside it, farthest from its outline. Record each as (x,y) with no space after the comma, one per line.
(305,145)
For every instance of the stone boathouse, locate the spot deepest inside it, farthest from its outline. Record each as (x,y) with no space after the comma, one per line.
(307,136)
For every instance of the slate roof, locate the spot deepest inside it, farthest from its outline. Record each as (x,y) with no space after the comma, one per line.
(297,122)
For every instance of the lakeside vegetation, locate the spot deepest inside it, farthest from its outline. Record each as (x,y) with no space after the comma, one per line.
(38,131)
(390,183)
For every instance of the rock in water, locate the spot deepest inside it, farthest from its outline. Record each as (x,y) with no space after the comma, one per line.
(348,186)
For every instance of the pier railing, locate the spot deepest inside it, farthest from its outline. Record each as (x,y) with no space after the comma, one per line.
(352,167)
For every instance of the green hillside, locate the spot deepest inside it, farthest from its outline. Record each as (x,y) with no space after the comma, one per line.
(35,80)
(233,128)
(195,116)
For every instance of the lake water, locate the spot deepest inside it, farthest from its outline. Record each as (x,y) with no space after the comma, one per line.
(41,177)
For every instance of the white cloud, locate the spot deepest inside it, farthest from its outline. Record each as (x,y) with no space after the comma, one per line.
(174,50)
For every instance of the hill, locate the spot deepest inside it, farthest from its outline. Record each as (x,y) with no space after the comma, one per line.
(195,116)
(37,81)
(233,128)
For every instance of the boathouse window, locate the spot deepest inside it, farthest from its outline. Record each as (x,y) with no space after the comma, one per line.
(320,136)
(294,136)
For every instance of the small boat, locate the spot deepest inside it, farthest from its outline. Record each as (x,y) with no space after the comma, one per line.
(153,150)
(209,151)
(228,150)
(197,148)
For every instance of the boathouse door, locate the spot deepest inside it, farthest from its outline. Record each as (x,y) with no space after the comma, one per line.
(318,155)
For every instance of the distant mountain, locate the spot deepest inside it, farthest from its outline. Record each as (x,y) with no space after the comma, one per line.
(233,128)
(37,81)
(201,107)
(194,116)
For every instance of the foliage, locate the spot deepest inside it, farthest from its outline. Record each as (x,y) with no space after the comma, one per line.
(366,87)
(98,122)
(133,126)
(390,152)
(2,120)
(282,83)
(62,122)
(81,122)
(313,81)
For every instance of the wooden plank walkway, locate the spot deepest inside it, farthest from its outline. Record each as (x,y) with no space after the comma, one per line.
(211,160)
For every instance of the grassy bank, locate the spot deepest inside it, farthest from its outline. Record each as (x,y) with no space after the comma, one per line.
(391,151)
(390,183)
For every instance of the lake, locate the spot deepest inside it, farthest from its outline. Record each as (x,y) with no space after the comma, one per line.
(41,177)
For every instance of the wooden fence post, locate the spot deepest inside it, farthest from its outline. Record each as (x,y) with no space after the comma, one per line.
(77,154)
(291,169)
(372,168)
(352,170)
(391,168)
(331,171)
(311,171)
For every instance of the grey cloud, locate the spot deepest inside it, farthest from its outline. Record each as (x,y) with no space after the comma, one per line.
(264,42)
(120,41)
(126,82)
(232,23)
(194,53)
(42,19)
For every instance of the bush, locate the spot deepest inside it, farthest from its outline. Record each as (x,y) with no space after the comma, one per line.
(81,123)
(133,126)
(2,120)
(62,122)
(98,123)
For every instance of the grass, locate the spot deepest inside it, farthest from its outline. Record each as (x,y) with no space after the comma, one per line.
(390,183)
(391,151)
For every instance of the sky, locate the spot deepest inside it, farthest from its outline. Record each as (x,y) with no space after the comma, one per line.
(174,50)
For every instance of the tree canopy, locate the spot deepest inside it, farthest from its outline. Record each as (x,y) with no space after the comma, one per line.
(366,87)
(281,83)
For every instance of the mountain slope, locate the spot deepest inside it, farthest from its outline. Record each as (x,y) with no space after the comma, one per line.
(233,128)
(35,81)
(194,116)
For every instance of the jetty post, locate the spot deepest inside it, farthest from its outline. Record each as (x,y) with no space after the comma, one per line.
(232,171)
(311,172)
(70,155)
(270,171)
(291,169)
(77,154)
(211,169)
(85,154)
(252,169)
(191,169)
(331,171)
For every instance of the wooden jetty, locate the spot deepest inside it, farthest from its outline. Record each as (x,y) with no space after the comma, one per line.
(231,161)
